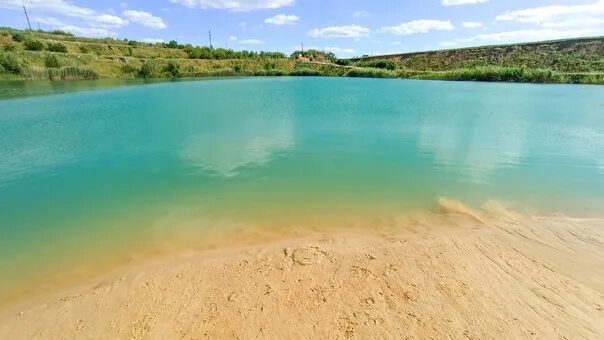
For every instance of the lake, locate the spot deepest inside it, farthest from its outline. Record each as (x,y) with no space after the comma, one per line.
(93,174)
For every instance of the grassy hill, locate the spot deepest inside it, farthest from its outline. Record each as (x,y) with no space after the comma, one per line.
(572,55)
(570,60)
(60,55)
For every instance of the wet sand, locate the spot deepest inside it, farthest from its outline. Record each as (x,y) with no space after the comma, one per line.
(471,275)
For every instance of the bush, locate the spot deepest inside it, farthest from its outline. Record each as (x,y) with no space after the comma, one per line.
(499,73)
(383,64)
(221,72)
(371,73)
(129,69)
(343,62)
(306,72)
(91,48)
(57,47)
(147,70)
(173,68)
(18,37)
(10,64)
(51,61)
(59,32)
(33,45)
(10,47)
(78,72)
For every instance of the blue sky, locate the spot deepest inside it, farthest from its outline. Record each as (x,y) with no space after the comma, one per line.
(345,27)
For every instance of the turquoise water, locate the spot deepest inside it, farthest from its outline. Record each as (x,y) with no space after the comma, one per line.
(84,173)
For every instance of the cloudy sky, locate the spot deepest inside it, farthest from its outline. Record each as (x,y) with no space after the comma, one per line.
(345,27)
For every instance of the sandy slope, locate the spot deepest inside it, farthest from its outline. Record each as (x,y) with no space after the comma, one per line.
(514,278)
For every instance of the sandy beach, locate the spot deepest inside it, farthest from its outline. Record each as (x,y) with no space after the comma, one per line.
(473,275)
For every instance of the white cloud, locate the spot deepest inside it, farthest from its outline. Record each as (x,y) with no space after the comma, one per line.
(88,31)
(584,22)
(419,26)
(361,14)
(153,40)
(523,36)
(251,42)
(68,9)
(335,49)
(541,15)
(48,21)
(145,18)
(472,24)
(235,5)
(282,19)
(233,38)
(462,2)
(349,31)
(583,19)
(93,32)
(110,20)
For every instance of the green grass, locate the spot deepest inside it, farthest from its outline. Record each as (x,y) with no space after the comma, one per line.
(567,56)
(507,74)
(371,73)
(60,55)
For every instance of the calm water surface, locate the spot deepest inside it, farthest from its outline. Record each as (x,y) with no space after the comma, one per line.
(82,173)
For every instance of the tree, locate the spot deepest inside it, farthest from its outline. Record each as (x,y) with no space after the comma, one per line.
(172,44)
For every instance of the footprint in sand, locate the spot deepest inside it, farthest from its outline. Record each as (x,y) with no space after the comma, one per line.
(305,256)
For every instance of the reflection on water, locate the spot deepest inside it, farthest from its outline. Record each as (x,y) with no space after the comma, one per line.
(96,169)
(485,137)
(494,133)
(248,141)
(24,88)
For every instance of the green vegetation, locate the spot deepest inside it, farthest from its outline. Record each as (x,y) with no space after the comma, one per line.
(51,61)
(306,72)
(10,64)
(315,55)
(61,55)
(173,68)
(148,70)
(562,61)
(56,47)
(33,45)
(371,73)
(379,63)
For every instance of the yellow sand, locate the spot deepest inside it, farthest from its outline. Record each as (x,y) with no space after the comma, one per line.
(497,276)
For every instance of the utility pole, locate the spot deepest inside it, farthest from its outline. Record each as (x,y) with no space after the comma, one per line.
(26,16)
(302,43)
(39,29)
(210,35)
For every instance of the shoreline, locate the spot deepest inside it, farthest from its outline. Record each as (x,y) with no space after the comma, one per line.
(476,275)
